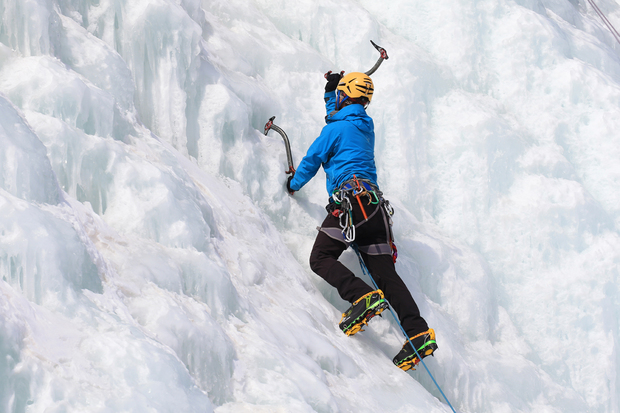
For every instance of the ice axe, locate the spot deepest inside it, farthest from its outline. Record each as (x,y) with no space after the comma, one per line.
(382,56)
(289,157)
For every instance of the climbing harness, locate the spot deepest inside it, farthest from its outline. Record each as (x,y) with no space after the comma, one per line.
(343,209)
(366,272)
(366,194)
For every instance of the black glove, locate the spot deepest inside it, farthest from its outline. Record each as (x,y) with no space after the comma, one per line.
(288,184)
(332,81)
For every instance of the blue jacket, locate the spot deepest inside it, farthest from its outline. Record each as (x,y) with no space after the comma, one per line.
(345,147)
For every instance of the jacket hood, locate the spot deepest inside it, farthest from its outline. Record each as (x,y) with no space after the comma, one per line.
(356,114)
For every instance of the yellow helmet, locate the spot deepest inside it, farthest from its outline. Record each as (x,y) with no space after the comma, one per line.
(357,85)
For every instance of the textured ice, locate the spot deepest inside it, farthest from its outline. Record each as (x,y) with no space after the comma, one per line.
(151,260)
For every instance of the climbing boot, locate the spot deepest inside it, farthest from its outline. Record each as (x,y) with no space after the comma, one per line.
(423,342)
(361,311)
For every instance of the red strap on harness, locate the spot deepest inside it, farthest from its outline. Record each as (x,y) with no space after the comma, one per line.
(394,251)
(359,201)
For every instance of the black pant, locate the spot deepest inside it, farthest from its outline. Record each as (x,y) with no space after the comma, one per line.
(324,262)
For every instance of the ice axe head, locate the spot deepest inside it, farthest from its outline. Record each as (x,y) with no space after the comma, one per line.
(269,124)
(381,50)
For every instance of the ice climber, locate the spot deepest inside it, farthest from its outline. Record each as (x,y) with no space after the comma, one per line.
(357,212)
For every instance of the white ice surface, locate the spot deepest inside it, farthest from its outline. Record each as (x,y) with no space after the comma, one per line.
(151,260)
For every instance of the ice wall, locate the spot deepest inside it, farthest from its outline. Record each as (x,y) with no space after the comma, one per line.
(151,260)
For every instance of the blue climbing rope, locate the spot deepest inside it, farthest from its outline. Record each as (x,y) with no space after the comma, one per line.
(365,271)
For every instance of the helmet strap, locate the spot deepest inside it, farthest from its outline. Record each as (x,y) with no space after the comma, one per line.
(338,102)
(360,101)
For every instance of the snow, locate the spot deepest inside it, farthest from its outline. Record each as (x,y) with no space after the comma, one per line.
(152,261)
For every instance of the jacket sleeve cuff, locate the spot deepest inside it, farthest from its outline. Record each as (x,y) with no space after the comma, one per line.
(294,185)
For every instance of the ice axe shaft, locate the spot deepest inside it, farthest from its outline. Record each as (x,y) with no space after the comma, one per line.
(289,156)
